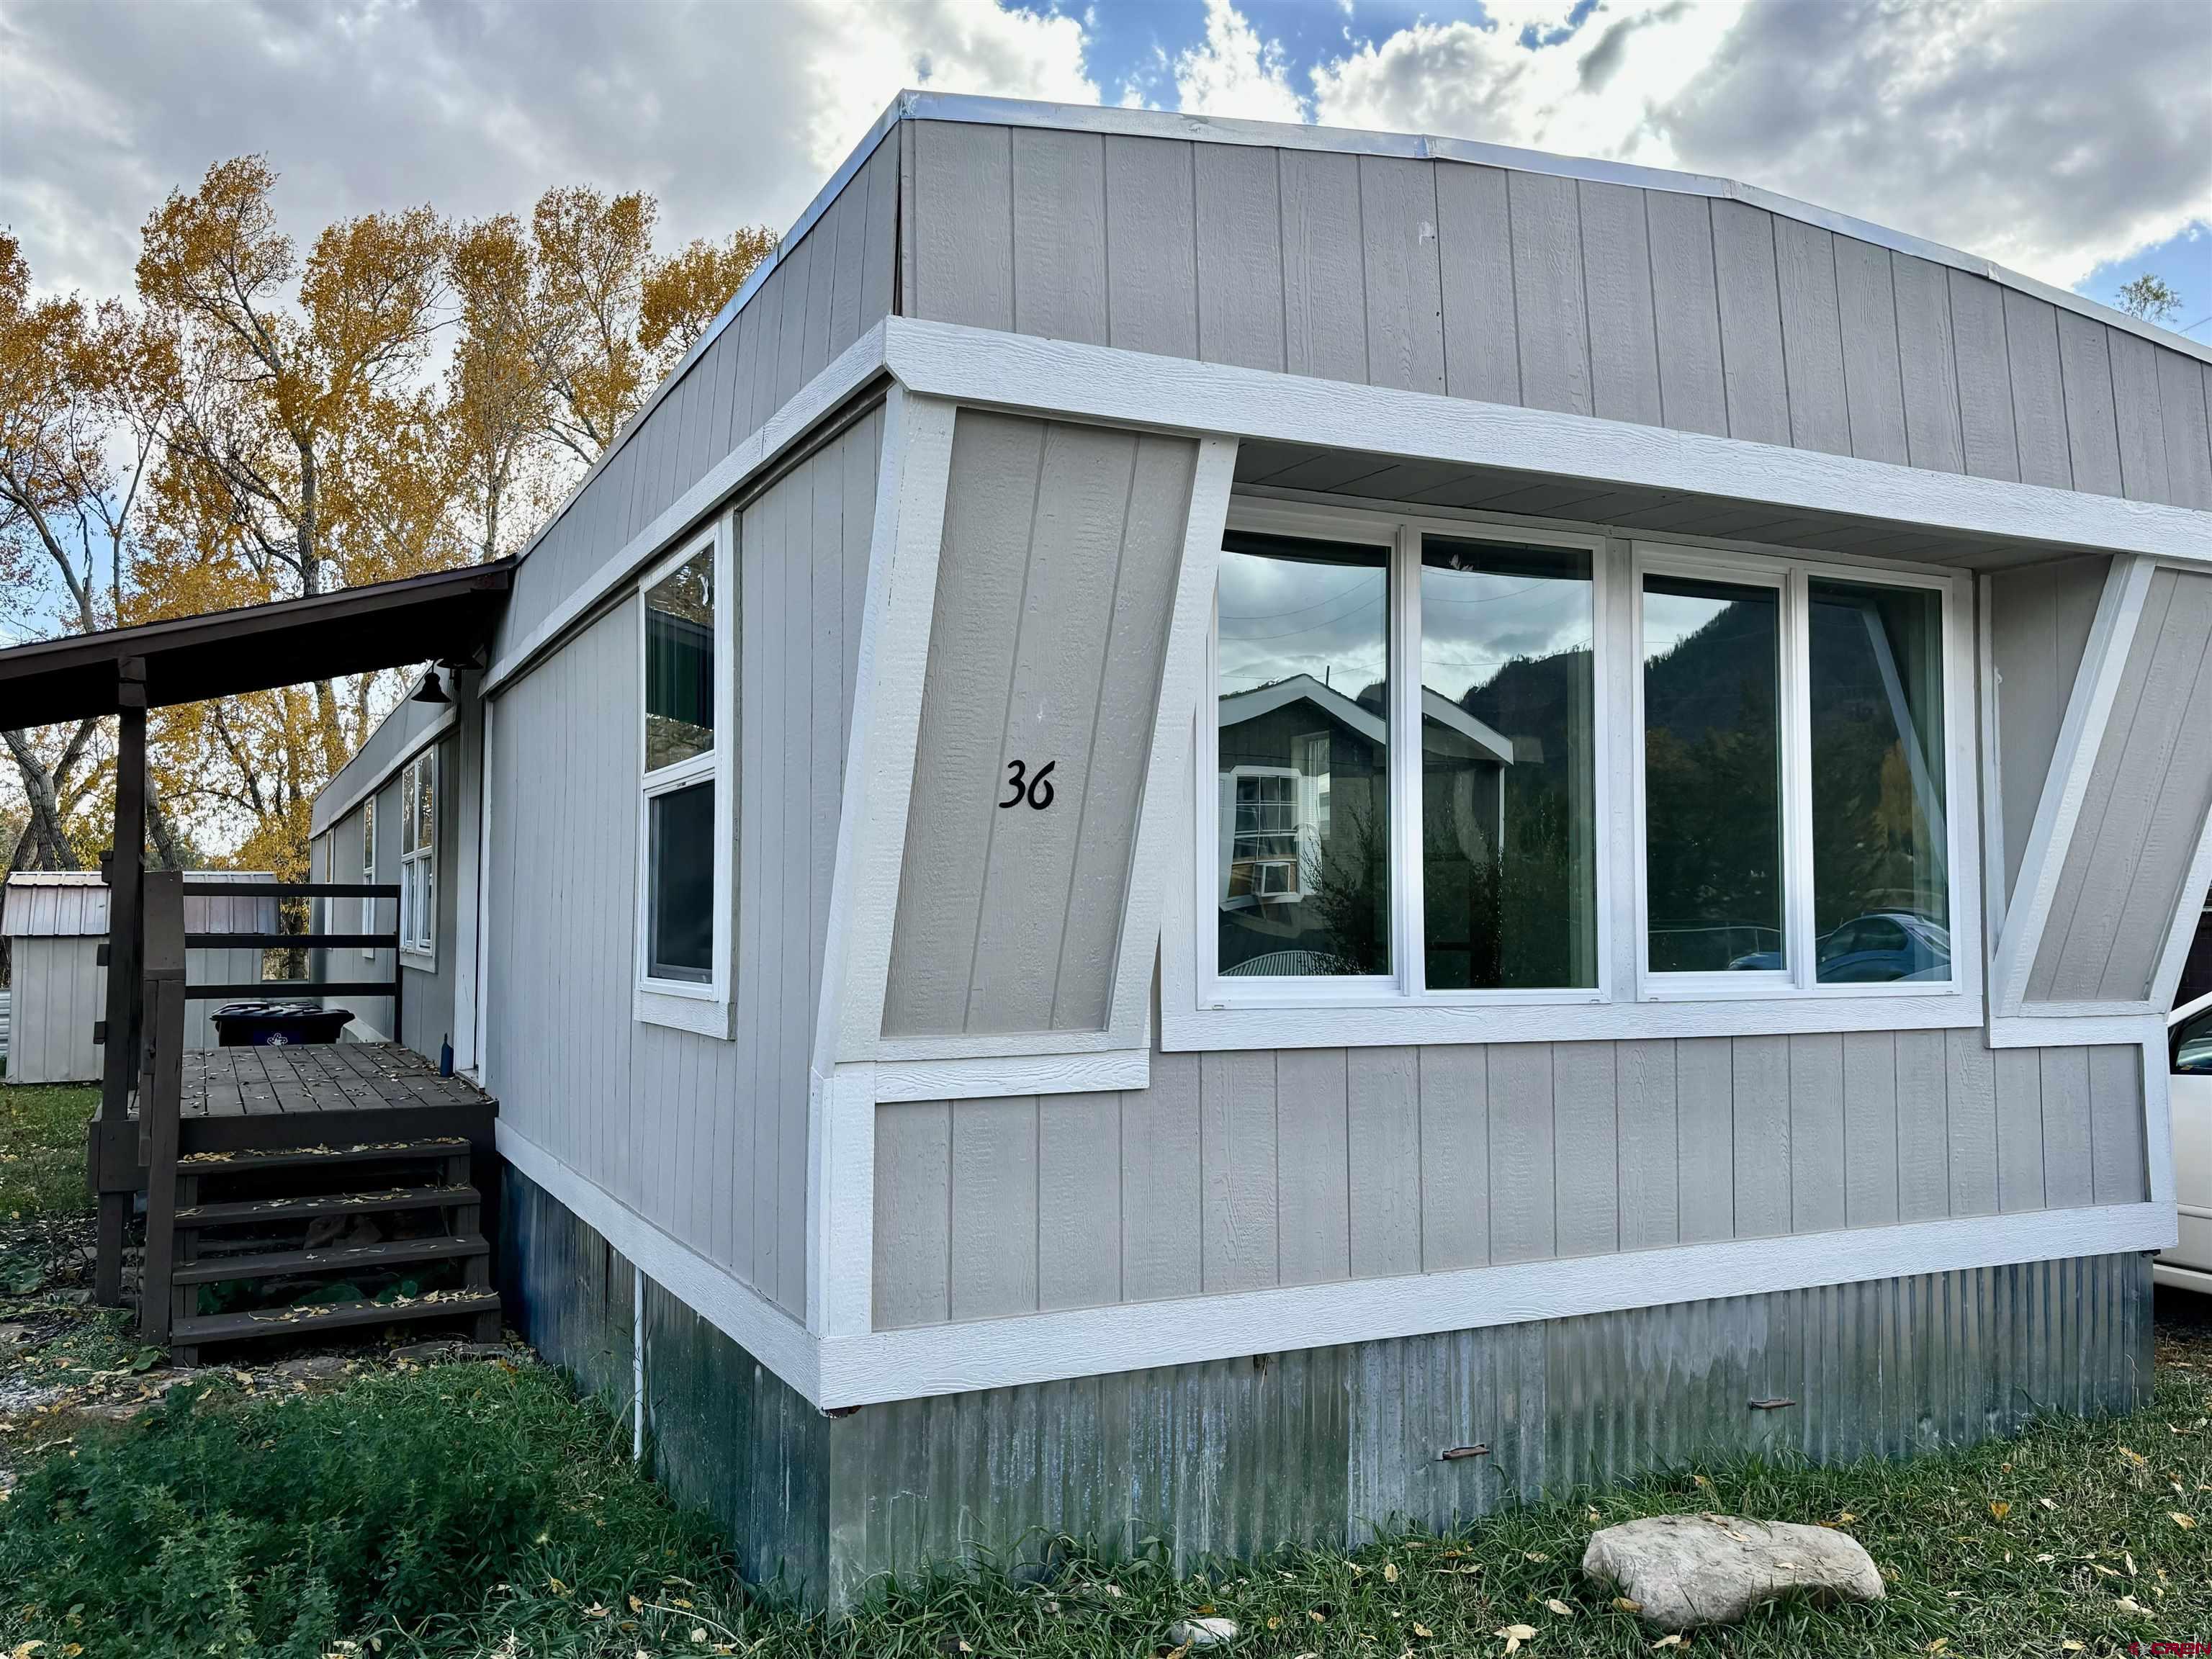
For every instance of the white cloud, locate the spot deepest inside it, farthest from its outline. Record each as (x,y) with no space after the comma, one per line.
(730,114)
(2047,137)
(1233,72)
(1588,93)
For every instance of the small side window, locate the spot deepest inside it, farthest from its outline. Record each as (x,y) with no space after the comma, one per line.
(685,785)
(368,870)
(418,854)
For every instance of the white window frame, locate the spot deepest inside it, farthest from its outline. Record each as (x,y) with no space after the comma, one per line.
(1202,1011)
(368,871)
(687,1005)
(1792,578)
(419,934)
(1401,534)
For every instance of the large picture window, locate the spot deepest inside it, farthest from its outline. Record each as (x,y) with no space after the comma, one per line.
(1464,866)
(1796,830)
(685,781)
(418,854)
(1645,772)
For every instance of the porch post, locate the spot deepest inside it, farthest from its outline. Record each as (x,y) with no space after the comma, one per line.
(126,860)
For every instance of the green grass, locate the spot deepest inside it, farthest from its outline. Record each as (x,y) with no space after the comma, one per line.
(480,1510)
(42,1150)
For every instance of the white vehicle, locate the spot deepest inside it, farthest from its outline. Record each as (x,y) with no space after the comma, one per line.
(2188,1265)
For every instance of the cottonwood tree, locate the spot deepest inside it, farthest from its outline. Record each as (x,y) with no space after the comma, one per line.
(79,391)
(285,361)
(264,425)
(2150,298)
(686,291)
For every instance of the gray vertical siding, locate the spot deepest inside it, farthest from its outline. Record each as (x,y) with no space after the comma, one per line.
(1247,1171)
(2038,627)
(827,288)
(1705,314)
(2150,790)
(707,1138)
(1062,549)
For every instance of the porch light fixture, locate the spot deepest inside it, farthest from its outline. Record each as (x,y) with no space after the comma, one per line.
(430,691)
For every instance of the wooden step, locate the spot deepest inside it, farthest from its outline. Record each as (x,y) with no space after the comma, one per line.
(328,1316)
(270,1264)
(308,1207)
(248,1161)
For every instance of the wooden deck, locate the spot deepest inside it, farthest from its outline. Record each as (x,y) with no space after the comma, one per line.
(304,1077)
(323,1094)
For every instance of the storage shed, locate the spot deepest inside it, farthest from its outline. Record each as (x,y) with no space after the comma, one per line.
(1206,810)
(56,920)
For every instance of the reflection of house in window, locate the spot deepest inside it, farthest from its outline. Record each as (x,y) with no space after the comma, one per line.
(1300,806)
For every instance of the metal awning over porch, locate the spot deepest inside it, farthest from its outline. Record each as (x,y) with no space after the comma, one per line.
(446,616)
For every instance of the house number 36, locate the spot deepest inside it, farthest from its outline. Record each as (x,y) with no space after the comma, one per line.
(1020,787)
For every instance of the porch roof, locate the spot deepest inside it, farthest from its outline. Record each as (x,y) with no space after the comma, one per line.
(446,616)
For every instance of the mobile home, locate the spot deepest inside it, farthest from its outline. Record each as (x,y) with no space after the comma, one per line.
(1232,832)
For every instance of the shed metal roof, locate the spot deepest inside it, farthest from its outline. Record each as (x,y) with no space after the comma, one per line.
(72,904)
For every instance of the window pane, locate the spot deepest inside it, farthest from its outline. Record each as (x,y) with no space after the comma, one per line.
(681,869)
(679,664)
(1880,876)
(1304,884)
(427,816)
(1712,775)
(1509,886)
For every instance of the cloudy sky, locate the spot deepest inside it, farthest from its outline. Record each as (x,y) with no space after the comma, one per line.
(2071,139)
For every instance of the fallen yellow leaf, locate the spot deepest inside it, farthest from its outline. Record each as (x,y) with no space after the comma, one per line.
(1558,1606)
(1999,1508)
(2180,1520)
(1939,1644)
(1422,1630)
(1390,1572)
(1627,1605)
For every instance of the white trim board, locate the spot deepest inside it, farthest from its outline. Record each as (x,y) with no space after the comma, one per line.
(996,1353)
(1131,388)
(2061,1030)
(2066,785)
(716,1295)
(1002,1076)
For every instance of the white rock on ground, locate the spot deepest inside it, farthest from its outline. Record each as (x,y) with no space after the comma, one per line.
(1685,1570)
(1196,1633)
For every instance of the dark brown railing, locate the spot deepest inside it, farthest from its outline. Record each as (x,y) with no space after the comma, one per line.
(274,989)
(164,991)
(161,1092)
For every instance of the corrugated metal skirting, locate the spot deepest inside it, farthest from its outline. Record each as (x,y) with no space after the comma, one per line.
(1324,1445)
